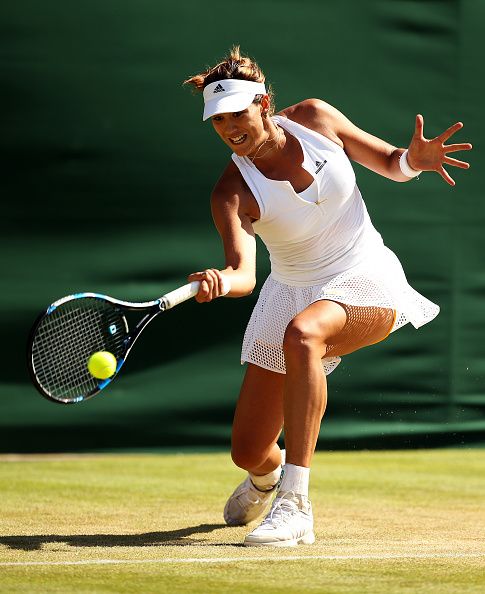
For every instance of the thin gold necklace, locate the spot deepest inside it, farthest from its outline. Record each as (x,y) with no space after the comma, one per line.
(274,141)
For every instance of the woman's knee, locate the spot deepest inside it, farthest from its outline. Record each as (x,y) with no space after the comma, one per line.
(304,337)
(247,456)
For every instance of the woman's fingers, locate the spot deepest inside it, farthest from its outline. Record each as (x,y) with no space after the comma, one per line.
(210,284)
(452,148)
(419,126)
(431,154)
(219,282)
(450,131)
(456,163)
(446,176)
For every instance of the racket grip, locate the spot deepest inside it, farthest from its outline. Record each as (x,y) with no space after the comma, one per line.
(180,295)
(187,291)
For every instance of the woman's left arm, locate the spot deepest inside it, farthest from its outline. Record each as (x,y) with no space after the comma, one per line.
(383,158)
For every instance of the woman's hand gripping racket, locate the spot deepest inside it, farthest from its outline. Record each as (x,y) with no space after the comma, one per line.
(72,329)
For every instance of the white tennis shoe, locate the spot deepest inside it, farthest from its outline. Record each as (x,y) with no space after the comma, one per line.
(288,523)
(248,503)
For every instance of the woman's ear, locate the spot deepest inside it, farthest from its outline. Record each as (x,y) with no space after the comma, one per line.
(264,105)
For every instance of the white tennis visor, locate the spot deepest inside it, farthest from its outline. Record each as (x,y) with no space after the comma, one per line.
(230,95)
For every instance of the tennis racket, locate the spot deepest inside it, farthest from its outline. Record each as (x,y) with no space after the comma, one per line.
(73,328)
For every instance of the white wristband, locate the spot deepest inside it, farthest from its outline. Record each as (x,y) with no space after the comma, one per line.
(406,169)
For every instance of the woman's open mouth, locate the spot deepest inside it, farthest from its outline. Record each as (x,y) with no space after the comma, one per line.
(238,139)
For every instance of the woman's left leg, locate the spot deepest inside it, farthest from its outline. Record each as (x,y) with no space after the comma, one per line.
(325,328)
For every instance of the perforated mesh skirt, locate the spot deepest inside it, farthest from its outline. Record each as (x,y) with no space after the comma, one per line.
(382,284)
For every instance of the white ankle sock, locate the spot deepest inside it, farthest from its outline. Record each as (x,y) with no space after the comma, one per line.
(266,481)
(296,479)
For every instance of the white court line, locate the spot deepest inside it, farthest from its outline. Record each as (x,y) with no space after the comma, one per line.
(376,557)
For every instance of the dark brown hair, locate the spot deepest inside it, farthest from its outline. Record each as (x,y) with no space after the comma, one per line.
(234,65)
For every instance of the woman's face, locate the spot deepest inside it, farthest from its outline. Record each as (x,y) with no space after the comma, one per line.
(243,131)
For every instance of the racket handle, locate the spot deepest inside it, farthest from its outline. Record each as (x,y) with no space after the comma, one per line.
(179,295)
(187,291)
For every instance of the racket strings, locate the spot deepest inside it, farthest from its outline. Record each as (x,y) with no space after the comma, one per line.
(77,326)
(67,337)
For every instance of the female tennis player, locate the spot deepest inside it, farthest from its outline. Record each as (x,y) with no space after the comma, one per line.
(334,286)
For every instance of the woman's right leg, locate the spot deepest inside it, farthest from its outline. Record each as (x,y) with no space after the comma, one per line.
(257,425)
(258,421)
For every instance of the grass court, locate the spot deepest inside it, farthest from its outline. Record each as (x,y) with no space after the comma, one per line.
(385,522)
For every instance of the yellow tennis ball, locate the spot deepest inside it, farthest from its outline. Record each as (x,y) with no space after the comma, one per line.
(102,365)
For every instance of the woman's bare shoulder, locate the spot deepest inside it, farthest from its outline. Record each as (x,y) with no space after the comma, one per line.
(231,182)
(232,192)
(317,115)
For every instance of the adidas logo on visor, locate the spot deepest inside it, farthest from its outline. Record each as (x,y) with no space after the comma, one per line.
(219,89)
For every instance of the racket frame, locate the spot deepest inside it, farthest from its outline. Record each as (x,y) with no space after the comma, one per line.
(152,309)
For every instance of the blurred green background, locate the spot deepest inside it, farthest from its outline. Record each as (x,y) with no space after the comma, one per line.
(106,173)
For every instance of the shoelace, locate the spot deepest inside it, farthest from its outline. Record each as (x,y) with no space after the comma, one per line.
(284,508)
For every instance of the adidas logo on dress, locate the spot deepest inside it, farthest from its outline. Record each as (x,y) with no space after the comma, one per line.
(219,89)
(320,165)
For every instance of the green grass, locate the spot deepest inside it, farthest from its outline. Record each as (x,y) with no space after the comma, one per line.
(386,522)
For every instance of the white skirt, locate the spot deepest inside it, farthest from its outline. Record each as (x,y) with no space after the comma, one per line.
(380,284)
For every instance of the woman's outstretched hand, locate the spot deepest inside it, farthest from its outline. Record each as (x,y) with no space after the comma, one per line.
(430,155)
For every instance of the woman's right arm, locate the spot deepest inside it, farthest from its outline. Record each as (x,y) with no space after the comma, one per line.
(236,230)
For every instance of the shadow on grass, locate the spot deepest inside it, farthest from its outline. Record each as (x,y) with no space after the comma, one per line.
(179,537)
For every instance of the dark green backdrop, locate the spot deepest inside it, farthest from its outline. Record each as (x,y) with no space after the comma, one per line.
(106,171)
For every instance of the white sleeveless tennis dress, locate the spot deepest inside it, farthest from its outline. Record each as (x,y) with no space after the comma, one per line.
(322,245)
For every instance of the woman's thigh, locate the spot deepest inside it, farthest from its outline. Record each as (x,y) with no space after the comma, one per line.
(259,412)
(365,325)
(339,329)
